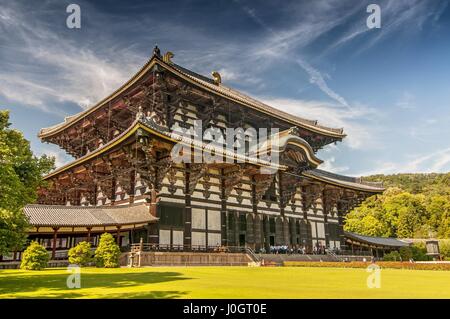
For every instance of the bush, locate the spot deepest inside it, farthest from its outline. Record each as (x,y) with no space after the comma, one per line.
(392,256)
(419,252)
(444,248)
(405,253)
(35,257)
(108,252)
(81,254)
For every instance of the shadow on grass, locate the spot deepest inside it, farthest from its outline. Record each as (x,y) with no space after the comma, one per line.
(53,285)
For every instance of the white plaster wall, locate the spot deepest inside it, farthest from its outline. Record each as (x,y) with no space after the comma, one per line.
(198,218)
(164,237)
(198,239)
(214,239)
(213,220)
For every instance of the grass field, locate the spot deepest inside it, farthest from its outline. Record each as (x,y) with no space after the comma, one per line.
(225,282)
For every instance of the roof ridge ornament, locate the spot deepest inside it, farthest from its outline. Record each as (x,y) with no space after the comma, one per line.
(140,113)
(217,77)
(167,57)
(157,51)
(294,131)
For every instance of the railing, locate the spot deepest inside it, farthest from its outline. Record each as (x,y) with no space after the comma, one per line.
(186,248)
(193,248)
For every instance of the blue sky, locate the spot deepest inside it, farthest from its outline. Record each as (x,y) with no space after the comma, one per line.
(389,87)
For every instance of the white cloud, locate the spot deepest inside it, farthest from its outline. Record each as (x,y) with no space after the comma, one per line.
(434,162)
(329,165)
(354,120)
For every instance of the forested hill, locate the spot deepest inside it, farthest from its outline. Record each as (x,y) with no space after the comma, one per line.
(413,206)
(415,183)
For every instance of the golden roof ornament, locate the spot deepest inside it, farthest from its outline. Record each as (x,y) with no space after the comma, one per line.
(217,77)
(167,57)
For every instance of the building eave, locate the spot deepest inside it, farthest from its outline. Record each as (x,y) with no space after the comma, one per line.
(342,181)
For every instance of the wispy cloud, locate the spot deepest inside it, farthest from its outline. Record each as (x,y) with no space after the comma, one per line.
(438,161)
(316,77)
(42,67)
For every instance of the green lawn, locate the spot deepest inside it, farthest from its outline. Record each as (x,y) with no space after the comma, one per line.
(225,282)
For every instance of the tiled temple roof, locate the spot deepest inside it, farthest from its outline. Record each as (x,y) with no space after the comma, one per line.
(377,241)
(205,83)
(321,175)
(345,181)
(58,215)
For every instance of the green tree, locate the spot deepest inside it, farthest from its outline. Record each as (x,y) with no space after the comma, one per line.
(35,257)
(419,252)
(392,256)
(406,253)
(108,252)
(81,254)
(13,226)
(20,176)
(397,213)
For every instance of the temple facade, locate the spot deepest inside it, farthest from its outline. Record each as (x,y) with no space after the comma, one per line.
(136,172)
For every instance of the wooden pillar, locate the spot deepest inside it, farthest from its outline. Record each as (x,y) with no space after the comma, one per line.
(187,241)
(325,211)
(258,232)
(89,234)
(250,232)
(113,191)
(304,208)
(327,229)
(237,228)
(293,232)
(286,231)
(340,212)
(153,228)
(223,211)
(118,235)
(280,192)
(132,186)
(266,233)
(55,231)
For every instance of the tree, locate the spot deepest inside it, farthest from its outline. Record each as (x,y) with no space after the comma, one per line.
(20,176)
(406,253)
(392,256)
(108,252)
(35,257)
(13,226)
(81,254)
(398,213)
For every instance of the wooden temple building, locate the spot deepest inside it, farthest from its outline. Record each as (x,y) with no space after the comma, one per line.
(124,179)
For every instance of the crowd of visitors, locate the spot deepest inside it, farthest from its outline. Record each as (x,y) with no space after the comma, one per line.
(317,249)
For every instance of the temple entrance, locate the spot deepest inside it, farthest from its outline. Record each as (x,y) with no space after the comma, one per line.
(272,240)
(241,239)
